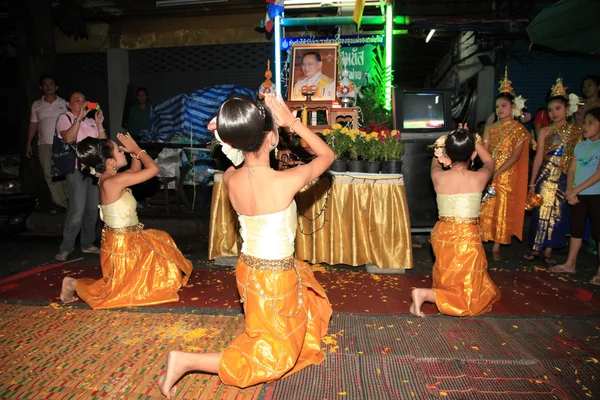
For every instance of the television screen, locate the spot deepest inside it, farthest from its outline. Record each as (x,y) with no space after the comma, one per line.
(423,110)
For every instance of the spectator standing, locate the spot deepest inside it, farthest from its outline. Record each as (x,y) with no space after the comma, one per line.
(44,113)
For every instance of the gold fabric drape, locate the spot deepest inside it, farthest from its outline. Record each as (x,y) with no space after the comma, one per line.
(461,282)
(342,219)
(503,215)
(287,314)
(139,268)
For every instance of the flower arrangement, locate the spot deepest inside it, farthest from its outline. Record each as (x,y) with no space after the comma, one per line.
(392,145)
(374,143)
(368,146)
(340,139)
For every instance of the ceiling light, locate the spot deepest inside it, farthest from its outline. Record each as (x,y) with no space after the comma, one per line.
(324,3)
(429,36)
(171,3)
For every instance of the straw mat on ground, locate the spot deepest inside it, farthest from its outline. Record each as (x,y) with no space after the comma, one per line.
(402,357)
(65,353)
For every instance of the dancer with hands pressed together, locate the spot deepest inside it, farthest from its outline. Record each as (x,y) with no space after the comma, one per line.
(286,309)
(461,284)
(139,267)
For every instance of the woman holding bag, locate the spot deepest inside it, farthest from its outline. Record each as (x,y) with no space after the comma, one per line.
(82,193)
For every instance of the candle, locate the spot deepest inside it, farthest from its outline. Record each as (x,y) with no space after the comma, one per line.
(305,116)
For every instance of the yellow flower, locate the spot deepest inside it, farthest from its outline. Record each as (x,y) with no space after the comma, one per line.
(336,127)
(355,131)
(394,133)
(345,130)
(363,133)
(326,132)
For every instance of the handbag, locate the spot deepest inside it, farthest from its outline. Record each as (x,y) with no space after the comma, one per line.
(63,156)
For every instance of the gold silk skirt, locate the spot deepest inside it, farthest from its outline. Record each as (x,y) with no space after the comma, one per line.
(139,268)
(287,314)
(460,279)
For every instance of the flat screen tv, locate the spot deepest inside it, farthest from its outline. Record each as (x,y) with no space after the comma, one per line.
(422,111)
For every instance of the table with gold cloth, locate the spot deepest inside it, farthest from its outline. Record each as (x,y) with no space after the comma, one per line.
(350,218)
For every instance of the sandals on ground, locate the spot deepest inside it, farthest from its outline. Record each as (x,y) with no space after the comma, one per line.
(561,269)
(550,260)
(62,256)
(91,250)
(532,256)
(595,280)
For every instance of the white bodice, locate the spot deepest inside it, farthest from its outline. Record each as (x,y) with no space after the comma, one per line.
(269,236)
(121,213)
(461,205)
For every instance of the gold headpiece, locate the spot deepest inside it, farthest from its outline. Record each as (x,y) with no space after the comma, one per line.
(559,90)
(505,84)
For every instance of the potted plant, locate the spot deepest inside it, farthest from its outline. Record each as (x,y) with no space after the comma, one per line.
(392,152)
(371,152)
(355,152)
(339,139)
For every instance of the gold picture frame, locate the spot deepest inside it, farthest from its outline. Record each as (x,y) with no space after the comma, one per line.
(314,68)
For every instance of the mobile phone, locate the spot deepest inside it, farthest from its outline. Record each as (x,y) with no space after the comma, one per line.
(93,106)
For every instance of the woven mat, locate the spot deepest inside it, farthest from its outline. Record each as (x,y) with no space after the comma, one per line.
(66,353)
(56,352)
(401,357)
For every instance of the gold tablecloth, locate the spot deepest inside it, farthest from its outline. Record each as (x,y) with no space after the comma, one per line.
(352,219)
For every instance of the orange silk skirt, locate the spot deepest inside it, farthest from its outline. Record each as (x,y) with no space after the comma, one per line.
(460,279)
(139,268)
(287,313)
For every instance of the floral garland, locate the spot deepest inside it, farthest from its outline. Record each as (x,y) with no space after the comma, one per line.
(519,106)
(439,151)
(573,104)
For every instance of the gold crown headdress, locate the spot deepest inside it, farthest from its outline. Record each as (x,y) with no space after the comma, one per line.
(559,89)
(505,84)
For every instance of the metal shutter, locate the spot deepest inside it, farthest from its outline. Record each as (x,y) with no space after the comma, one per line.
(166,72)
(533,73)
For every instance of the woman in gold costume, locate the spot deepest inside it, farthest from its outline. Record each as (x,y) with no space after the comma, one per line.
(508,141)
(286,309)
(555,146)
(461,284)
(139,267)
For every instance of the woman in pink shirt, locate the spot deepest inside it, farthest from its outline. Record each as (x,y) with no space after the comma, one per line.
(82,212)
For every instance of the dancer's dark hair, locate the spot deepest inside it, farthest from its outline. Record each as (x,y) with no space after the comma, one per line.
(243,122)
(93,153)
(460,145)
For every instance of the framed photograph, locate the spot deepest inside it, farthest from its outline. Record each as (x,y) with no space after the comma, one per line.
(314,71)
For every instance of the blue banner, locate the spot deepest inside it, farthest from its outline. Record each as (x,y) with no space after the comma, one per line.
(344,41)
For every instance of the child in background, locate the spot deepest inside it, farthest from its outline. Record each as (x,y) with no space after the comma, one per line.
(583,191)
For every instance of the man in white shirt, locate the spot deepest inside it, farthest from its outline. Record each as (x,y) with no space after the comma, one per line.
(44,113)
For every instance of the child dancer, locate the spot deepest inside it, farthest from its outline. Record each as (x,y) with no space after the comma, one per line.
(461,284)
(508,141)
(583,192)
(139,267)
(287,311)
(550,222)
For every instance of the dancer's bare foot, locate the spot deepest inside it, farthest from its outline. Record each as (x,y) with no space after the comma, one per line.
(67,293)
(418,298)
(175,370)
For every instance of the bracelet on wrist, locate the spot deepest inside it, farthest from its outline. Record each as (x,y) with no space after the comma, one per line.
(292,125)
(137,156)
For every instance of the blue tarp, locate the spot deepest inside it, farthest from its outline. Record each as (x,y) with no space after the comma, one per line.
(186,116)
